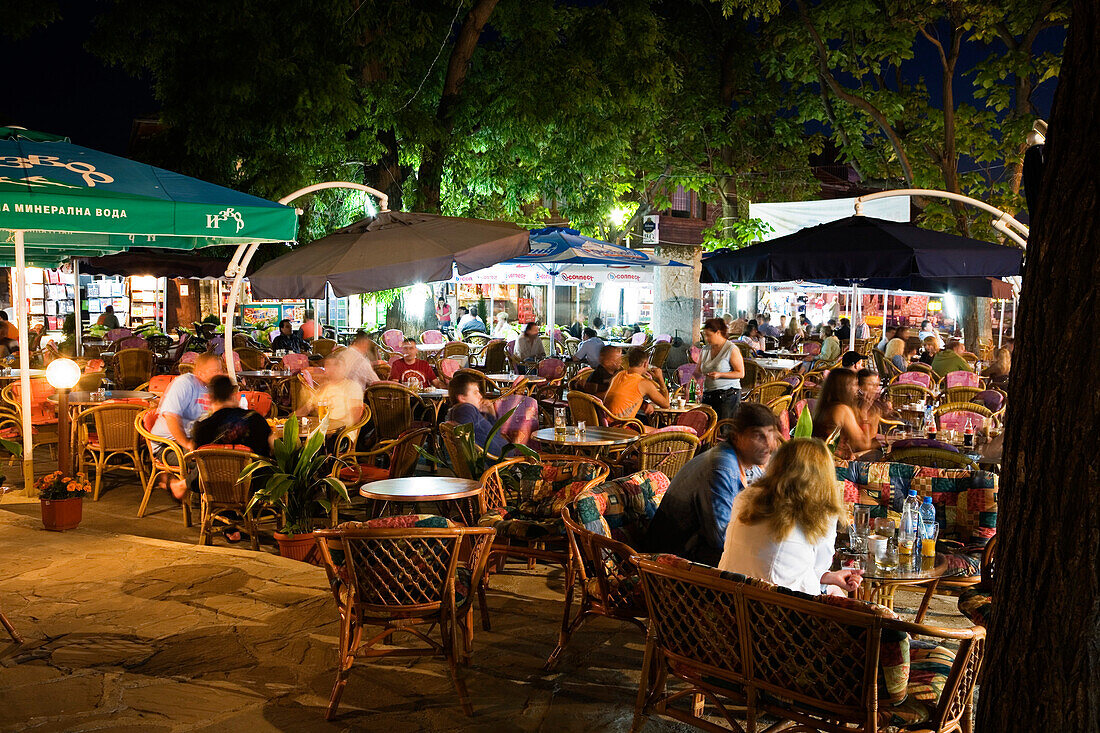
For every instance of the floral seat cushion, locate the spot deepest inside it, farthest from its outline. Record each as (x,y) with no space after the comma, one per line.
(621,509)
(929,668)
(537,494)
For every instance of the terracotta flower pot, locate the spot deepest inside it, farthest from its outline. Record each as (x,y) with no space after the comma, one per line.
(298,546)
(61,514)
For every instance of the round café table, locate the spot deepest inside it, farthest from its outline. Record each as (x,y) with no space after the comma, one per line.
(437,397)
(263,375)
(459,495)
(777,365)
(595,442)
(915,570)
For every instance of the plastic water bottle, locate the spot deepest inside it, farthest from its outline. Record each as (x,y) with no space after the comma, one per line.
(927,517)
(910,519)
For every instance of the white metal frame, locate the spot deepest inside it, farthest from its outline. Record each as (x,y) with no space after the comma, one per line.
(1005,223)
(243,256)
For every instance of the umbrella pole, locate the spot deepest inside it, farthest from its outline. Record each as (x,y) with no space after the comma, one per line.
(550,297)
(852,317)
(77,325)
(231,305)
(1001,328)
(24,363)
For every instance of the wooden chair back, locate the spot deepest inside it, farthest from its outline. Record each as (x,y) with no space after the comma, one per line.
(494,357)
(487,386)
(133,367)
(90,381)
(660,354)
(754,375)
(906,394)
(766,392)
(496,491)
(953,415)
(459,465)
(961,394)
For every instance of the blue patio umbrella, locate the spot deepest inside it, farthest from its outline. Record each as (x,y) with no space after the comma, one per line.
(556,248)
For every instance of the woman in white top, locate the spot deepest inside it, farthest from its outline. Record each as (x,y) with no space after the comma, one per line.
(502,329)
(783,527)
(830,349)
(721,366)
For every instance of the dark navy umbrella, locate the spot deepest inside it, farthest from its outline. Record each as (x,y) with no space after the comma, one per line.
(859,248)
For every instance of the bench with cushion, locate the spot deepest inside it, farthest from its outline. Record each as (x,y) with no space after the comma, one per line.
(965,501)
(822,662)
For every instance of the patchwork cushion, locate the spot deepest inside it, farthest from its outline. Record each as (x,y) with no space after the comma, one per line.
(621,509)
(929,668)
(977,605)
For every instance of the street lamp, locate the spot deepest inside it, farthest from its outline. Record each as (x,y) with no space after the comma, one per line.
(63,374)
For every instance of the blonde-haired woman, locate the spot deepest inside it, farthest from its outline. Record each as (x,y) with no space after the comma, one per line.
(999,368)
(782,528)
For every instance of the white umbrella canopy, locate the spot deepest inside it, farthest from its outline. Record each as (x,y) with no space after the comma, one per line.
(392,250)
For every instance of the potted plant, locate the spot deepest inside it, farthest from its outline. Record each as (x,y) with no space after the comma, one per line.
(476,457)
(62,500)
(296,480)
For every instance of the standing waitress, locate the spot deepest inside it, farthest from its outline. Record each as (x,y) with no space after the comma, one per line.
(722,367)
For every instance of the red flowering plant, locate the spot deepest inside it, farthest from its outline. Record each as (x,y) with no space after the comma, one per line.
(55,486)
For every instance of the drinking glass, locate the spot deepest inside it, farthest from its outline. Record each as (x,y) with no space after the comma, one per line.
(928,540)
(879,545)
(856,541)
(889,559)
(862,519)
(559,421)
(883,526)
(907,540)
(581,427)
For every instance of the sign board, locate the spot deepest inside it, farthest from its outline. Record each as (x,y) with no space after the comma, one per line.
(526,310)
(651,230)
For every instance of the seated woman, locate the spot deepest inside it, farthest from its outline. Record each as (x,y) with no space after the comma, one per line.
(753,337)
(838,407)
(783,527)
(830,349)
(630,388)
(998,369)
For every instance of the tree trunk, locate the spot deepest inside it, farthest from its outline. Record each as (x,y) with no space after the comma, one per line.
(1042,669)
(386,174)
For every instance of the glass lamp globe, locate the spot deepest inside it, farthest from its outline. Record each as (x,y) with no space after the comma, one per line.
(63,373)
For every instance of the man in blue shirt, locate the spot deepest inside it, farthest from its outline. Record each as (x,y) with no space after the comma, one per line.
(692,518)
(465,393)
(589,349)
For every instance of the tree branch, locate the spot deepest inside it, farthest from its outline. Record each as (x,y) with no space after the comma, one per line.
(855,100)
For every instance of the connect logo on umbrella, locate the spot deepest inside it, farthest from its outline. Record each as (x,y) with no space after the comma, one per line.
(213,221)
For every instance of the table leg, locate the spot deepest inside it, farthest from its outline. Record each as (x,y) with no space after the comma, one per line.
(929,591)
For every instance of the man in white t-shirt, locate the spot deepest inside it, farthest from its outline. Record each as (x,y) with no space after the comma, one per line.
(926,330)
(186,400)
(357,366)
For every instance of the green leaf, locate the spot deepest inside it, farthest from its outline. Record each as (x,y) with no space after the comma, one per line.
(804,428)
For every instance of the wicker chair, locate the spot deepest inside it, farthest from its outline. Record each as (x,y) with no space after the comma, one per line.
(746,350)
(90,381)
(905,394)
(961,394)
(392,339)
(666,451)
(487,386)
(133,367)
(222,489)
(115,435)
(953,415)
(400,577)
(918,377)
(931,458)
(459,465)
(814,662)
(590,410)
(401,458)
(920,366)
(765,392)
(477,340)
(528,521)
(252,359)
(143,423)
(455,350)
(754,375)
(660,354)
(392,407)
(322,347)
(601,525)
(494,357)
(432,336)
(43,412)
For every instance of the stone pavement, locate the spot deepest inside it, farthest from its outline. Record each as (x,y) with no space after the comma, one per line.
(140,633)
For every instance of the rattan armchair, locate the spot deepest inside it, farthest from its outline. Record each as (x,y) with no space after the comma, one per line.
(90,381)
(494,356)
(115,435)
(166,459)
(252,359)
(406,580)
(666,452)
(133,367)
(455,350)
(222,490)
(391,406)
(765,392)
(961,394)
(947,408)
(906,394)
(322,347)
(588,409)
(931,458)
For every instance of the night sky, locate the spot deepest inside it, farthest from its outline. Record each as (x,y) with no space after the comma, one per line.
(54,85)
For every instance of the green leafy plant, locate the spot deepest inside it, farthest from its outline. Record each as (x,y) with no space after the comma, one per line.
(477,457)
(297,479)
(804,428)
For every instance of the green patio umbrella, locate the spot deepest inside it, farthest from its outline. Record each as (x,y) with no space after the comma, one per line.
(59,200)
